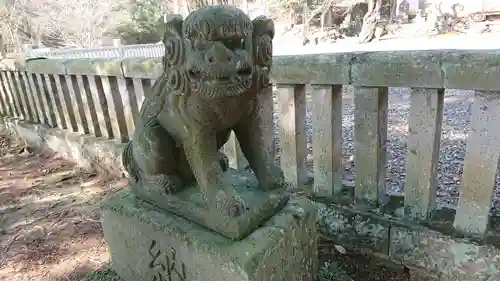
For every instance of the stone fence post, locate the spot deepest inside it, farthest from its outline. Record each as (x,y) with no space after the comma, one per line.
(2,47)
(117,43)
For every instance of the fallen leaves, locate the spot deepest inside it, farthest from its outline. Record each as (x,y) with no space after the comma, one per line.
(340,249)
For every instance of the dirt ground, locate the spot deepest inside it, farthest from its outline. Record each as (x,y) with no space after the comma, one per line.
(345,266)
(49,217)
(50,229)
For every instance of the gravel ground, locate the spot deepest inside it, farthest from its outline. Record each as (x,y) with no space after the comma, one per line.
(457,109)
(336,266)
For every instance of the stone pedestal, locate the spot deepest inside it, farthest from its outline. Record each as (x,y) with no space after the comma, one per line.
(150,244)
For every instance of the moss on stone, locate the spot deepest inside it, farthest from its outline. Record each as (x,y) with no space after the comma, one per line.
(103,275)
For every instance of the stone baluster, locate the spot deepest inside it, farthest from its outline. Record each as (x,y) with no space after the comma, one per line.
(480,165)
(110,88)
(370,144)
(426,114)
(82,90)
(13,110)
(21,95)
(53,99)
(28,96)
(292,140)
(43,95)
(102,124)
(66,96)
(4,105)
(16,95)
(126,96)
(35,96)
(327,139)
(76,100)
(138,87)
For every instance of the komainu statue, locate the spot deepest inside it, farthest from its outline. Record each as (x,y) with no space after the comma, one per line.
(216,63)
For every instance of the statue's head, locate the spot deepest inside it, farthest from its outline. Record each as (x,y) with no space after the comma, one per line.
(218,51)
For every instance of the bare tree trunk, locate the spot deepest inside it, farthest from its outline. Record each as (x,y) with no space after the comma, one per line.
(193,5)
(305,27)
(244,6)
(370,21)
(177,7)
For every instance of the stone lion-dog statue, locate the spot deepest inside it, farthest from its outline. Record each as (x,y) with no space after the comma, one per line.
(216,63)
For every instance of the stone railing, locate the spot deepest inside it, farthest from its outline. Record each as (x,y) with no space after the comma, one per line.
(101,98)
(108,52)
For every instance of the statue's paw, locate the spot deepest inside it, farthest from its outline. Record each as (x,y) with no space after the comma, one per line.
(229,203)
(272,178)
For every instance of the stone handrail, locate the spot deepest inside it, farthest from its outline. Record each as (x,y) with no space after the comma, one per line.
(101,97)
(110,52)
(429,69)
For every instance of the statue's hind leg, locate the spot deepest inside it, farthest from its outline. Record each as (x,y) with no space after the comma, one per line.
(156,157)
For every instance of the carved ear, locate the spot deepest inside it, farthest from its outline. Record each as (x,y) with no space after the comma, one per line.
(263,25)
(175,49)
(263,33)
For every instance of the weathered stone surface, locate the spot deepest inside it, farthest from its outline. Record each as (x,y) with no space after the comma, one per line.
(150,68)
(480,165)
(418,274)
(148,243)
(425,68)
(414,68)
(327,139)
(354,230)
(424,127)
(429,254)
(105,67)
(215,69)
(455,69)
(189,203)
(46,66)
(370,117)
(446,258)
(320,69)
(292,133)
(87,151)
(478,70)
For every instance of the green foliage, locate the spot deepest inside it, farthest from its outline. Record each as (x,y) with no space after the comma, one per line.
(143,21)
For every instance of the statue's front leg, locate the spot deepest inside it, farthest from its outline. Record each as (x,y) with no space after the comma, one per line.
(251,137)
(204,160)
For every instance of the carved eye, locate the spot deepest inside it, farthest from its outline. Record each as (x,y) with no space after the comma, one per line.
(235,43)
(199,44)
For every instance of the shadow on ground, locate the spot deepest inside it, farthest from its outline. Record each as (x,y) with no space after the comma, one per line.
(49,216)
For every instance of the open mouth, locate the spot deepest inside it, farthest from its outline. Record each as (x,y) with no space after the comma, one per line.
(241,74)
(247,71)
(194,73)
(222,79)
